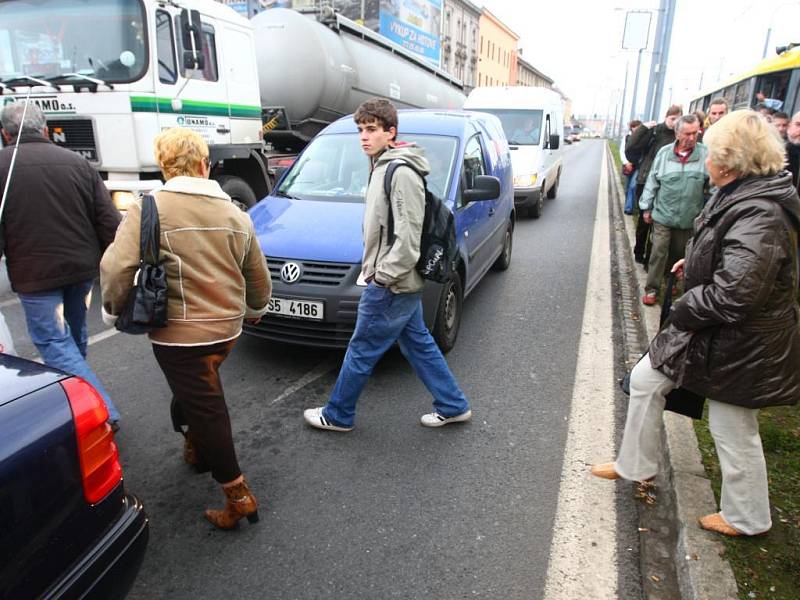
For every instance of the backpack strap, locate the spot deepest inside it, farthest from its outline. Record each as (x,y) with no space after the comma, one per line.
(387,189)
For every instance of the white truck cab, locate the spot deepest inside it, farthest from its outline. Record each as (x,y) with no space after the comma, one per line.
(111,74)
(533,121)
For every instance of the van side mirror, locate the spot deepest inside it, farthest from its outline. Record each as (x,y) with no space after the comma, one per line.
(192,38)
(553,142)
(484,187)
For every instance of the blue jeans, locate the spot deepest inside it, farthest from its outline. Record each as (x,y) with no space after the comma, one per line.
(383,319)
(57,325)
(630,193)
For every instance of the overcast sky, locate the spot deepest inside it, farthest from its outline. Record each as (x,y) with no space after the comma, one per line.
(578,44)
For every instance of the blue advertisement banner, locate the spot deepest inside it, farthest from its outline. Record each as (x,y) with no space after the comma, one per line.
(414,25)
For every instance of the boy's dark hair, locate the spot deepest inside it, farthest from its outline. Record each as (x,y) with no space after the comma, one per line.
(676,110)
(780,115)
(377,109)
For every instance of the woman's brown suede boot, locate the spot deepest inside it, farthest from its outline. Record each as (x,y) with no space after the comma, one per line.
(240,503)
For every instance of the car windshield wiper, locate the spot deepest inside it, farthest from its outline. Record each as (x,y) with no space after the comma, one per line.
(282,194)
(65,77)
(18,80)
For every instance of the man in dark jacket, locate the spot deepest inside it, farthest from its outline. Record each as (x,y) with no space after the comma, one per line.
(57,221)
(646,141)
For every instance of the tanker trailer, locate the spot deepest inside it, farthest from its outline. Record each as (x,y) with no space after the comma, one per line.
(315,68)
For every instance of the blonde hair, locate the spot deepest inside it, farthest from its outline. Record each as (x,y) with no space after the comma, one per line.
(744,142)
(180,151)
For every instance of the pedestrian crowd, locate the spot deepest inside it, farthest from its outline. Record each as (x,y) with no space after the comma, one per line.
(718,207)
(60,230)
(713,201)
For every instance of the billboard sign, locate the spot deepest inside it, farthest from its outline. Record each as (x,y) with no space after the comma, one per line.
(413,24)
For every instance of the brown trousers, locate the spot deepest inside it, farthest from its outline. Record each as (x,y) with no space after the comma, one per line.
(192,373)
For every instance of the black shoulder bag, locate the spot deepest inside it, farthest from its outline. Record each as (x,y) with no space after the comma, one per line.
(679,400)
(146,306)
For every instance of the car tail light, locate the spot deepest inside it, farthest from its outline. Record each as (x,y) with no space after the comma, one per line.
(97,452)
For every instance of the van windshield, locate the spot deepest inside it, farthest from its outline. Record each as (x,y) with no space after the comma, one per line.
(522,127)
(334,168)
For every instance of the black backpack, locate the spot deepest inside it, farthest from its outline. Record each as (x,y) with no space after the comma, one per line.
(437,247)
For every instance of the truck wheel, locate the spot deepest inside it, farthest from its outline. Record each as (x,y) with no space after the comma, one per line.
(535,211)
(448,313)
(504,260)
(241,194)
(551,194)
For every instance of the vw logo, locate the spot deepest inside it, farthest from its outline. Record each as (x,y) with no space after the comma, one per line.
(290,272)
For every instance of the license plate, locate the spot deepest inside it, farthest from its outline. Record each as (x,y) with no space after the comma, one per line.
(296,309)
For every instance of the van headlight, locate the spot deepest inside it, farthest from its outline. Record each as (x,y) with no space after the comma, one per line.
(122,200)
(524,181)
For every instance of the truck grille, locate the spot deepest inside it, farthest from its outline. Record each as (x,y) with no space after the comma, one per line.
(312,272)
(76,135)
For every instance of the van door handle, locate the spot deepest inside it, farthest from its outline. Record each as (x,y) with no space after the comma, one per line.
(491,211)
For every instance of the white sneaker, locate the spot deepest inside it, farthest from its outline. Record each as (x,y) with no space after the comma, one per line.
(434,419)
(316,418)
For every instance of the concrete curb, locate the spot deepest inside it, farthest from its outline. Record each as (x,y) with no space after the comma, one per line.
(702,572)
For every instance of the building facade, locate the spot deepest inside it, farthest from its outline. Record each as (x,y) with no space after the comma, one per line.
(529,75)
(460,38)
(497,52)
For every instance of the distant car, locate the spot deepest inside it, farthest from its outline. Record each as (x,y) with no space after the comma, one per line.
(67,527)
(309,227)
(575,135)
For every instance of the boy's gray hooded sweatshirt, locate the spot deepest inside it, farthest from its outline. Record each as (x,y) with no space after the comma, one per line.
(391,263)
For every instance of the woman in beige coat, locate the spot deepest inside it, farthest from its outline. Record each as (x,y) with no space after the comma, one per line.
(216,276)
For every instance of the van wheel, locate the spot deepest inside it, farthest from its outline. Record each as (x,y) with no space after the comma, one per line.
(551,194)
(504,260)
(241,194)
(448,313)
(535,211)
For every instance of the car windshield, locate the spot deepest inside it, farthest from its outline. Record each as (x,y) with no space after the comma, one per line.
(334,168)
(522,127)
(47,38)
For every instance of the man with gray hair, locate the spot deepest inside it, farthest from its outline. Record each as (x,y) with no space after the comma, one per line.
(673,196)
(57,220)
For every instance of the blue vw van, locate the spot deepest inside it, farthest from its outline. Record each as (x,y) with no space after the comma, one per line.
(309,227)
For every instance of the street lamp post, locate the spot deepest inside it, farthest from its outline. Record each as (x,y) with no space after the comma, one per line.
(635,37)
(636,84)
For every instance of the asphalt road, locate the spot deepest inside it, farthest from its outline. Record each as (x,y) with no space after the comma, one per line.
(392,509)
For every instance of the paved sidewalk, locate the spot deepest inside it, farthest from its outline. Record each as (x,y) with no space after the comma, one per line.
(701,571)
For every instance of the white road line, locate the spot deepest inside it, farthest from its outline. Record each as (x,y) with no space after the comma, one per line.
(583,557)
(103,335)
(9,302)
(321,369)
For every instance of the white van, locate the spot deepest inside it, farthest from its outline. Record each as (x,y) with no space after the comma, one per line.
(533,120)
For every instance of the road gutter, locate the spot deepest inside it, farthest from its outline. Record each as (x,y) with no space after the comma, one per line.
(583,554)
(701,571)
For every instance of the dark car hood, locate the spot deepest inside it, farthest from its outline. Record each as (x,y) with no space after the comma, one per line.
(309,229)
(19,377)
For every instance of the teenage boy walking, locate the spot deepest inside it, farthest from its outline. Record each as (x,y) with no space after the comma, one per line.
(390,309)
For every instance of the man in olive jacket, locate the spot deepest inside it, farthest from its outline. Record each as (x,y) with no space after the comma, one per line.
(672,198)
(57,222)
(390,309)
(646,141)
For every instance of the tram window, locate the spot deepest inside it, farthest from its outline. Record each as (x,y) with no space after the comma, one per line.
(774,85)
(729,94)
(742,96)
